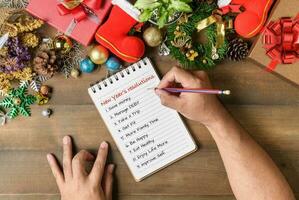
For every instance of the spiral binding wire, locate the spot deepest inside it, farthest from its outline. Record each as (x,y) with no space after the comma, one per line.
(116,77)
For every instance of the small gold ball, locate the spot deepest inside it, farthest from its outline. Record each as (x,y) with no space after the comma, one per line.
(75,73)
(17,101)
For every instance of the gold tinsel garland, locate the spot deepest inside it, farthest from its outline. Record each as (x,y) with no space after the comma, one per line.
(22,75)
(18,21)
(30,40)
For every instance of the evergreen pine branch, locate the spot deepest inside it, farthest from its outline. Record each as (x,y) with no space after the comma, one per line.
(204,60)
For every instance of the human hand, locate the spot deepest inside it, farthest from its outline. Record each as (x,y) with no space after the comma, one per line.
(203,108)
(74,182)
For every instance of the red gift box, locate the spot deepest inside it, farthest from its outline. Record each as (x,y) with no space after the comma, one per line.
(79,22)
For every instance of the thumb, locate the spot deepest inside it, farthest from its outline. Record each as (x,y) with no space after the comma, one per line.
(168,99)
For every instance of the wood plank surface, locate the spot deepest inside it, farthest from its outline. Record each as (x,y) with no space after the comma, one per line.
(265,105)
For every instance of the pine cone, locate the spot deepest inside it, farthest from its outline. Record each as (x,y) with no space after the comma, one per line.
(45,63)
(238,49)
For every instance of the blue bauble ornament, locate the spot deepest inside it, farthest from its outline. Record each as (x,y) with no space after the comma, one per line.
(86,65)
(113,64)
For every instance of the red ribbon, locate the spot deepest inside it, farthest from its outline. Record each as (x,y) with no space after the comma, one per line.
(79,12)
(232,8)
(281,41)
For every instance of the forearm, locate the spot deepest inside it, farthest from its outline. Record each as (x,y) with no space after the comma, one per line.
(251,172)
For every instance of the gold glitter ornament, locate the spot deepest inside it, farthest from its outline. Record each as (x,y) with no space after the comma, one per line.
(75,73)
(24,74)
(30,40)
(191,55)
(6,79)
(41,99)
(3,51)
(11,29)
(152,36)
(29,25)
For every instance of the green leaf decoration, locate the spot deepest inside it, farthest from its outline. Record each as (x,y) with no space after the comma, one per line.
(30,99)
(163,19)
(18,102)
(13,113)
(25,111)
(22,91)
(146,15)
(145,4)
(180,6)
(162,9)
(7,102)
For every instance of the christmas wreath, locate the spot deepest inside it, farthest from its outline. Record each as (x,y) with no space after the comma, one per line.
(193,54)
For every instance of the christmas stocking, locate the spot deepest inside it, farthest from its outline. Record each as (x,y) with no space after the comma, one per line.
(113,34)
(250,22)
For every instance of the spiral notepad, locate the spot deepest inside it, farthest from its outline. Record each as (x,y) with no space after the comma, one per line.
(149,135)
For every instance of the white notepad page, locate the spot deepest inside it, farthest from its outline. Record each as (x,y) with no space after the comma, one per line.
(149,135)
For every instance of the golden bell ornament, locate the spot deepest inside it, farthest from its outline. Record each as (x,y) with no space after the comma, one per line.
(98,55)
(152,36)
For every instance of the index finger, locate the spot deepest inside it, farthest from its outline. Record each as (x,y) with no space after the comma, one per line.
(176,75)
(99,165)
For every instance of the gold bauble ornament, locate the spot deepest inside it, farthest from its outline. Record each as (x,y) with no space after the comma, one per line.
(98,55)
(152,36)
(75,73)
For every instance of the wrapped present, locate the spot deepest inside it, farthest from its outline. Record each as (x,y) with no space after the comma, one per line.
(277,48)
(78,19)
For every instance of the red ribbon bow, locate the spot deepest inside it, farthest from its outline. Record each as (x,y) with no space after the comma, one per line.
(281,41)
(78,11)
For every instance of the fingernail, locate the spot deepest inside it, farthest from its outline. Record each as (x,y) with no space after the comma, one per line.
(49,157)
(66,140)
(158,92)
(111,168)
(103,145)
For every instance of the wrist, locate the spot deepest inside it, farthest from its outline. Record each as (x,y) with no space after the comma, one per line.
(220,118)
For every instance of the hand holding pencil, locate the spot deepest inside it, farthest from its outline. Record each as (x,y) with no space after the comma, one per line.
(202,108)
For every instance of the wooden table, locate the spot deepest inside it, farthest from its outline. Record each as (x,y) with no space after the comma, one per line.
(265,105)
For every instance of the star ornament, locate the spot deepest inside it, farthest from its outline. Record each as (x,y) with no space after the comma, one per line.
(18,102)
